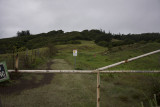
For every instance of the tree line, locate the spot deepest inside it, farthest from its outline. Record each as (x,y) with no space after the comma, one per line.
(25,40)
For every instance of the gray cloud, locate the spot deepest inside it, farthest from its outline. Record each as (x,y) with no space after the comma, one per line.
(125,16)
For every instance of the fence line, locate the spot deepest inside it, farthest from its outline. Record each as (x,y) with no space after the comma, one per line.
(94,71)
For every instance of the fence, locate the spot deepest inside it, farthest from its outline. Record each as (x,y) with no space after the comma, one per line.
(27,59)
(97,71)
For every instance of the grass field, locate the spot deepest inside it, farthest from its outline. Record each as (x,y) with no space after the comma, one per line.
(91,56)
(79,90)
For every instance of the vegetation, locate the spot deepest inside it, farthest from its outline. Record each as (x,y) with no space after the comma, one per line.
(29,41)
(29,59)
(53,50)
(91,56)
(23,33)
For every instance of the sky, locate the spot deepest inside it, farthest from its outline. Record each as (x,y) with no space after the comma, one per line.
(116,16)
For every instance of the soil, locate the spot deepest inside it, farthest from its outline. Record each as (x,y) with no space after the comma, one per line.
(9,87)
(0,103)
(18,83)
(49,65)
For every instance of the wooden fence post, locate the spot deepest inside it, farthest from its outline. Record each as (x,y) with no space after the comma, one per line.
(16,65)
(35,54)
(38,52)
(13,59)
(26,53)
(98,89)
(32,56)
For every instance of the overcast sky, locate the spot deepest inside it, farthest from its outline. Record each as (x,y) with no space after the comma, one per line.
(124,16)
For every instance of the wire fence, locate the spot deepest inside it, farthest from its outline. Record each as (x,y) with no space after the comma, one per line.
(27,59)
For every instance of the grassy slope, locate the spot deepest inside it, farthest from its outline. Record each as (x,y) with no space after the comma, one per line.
(91,56)
(70,90)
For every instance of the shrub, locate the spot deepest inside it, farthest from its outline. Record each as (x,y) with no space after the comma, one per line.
(52,50)
(117,43)
(103,43)
(74,42)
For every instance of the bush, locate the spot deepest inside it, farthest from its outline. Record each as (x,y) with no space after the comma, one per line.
(158,40)
(74,42)
(103,43)
(142,42)
(128,41)
(52,50)
(117,43)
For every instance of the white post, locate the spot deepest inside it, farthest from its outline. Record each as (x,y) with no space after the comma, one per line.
(98,89)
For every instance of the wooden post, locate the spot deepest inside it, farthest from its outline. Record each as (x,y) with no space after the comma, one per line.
(35,53)
(13,59)
(32,56)
(16,65)
(26,53)
(98,89)
(75,63)
(142,104)
(38,52)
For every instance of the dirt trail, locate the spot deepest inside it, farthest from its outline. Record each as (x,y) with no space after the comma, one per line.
(60,64)
(59,90)
(23,83)
(49,65)
(56,64)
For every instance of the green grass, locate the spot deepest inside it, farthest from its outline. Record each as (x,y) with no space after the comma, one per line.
(91,56)
(33,58)
(117,89)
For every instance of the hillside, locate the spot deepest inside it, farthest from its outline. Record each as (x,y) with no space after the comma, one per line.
(70,90)
(122,90)
(25,40)
(91,56)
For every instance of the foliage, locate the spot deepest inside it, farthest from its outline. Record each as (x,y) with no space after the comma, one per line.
(26,40)
(23,33)
(119,89)
(52,50)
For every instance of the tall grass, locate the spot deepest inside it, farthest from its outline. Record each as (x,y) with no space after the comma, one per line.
(27,59)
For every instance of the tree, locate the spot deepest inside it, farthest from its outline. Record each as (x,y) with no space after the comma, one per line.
(23,33)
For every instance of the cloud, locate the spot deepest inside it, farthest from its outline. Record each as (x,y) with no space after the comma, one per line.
(125,16)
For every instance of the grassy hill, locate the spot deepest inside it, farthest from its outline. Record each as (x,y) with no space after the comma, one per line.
(79,90)
(24,40)
(92,56)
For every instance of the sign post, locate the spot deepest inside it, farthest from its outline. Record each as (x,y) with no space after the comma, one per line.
(3,72)
(75,54)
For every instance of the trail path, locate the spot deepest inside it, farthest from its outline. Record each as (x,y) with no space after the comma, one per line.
(60,64)
(71,89)
(64,90)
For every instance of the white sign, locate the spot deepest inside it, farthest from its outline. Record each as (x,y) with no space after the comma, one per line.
(74,52)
